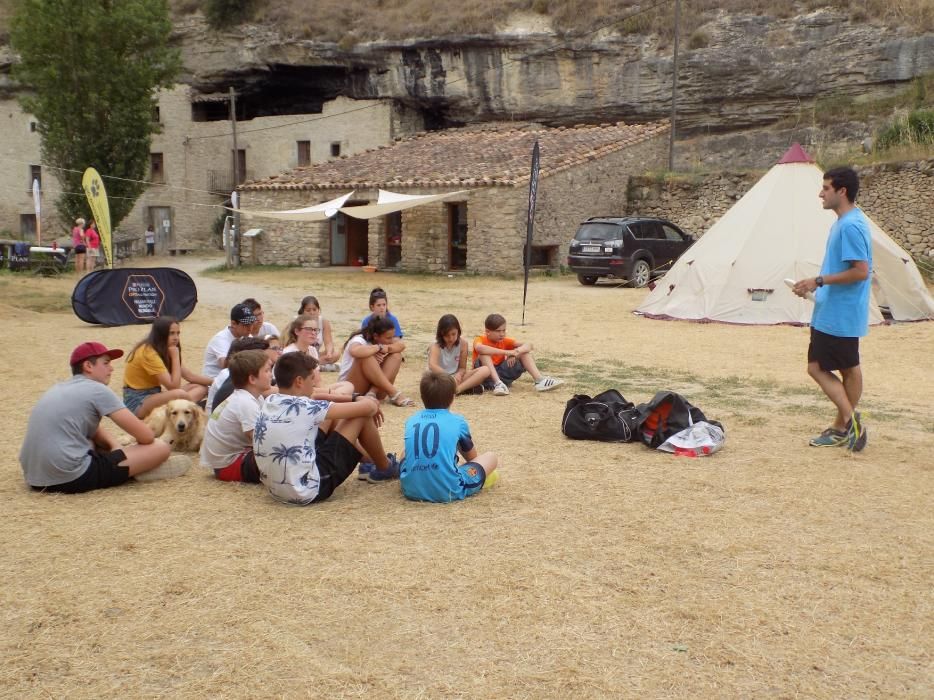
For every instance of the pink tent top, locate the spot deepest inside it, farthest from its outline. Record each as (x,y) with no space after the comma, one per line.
(796,154)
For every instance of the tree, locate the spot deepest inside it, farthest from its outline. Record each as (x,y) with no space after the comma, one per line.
(91,69)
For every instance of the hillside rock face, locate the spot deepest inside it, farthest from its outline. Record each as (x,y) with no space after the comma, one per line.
(751,71)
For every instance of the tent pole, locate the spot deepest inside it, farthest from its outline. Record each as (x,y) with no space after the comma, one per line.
(674,89)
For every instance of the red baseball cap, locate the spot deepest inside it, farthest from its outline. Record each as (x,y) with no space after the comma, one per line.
(92,349)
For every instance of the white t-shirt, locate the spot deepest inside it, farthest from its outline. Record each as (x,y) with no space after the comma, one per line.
(224,438)
(312,350)
(216,351)
(267,329)
(347,359)
(215,385)
(284,446)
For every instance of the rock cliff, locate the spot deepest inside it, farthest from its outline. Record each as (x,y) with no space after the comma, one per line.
(745,71)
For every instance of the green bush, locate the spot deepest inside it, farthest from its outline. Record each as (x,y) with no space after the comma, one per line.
(699,40)
(916,129)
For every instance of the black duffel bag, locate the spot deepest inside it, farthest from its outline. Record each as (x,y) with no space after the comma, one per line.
(608,417)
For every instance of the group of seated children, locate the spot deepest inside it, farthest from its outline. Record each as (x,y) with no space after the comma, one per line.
(271,421)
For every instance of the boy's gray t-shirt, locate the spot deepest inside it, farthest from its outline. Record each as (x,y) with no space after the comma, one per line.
(61,425)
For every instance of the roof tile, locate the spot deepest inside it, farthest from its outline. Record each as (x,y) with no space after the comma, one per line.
(478,155)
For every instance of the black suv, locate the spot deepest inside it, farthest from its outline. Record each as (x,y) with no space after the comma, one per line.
(633,248)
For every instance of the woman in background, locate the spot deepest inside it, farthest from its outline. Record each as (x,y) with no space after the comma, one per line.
(80,245)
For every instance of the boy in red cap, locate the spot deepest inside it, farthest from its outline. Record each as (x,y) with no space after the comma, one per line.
(67,450)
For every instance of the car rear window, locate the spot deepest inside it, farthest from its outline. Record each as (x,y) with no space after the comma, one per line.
(598,232)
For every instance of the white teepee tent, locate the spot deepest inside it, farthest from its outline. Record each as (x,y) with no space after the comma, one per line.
(735,273)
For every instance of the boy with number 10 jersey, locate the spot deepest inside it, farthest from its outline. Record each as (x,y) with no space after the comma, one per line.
(433,437)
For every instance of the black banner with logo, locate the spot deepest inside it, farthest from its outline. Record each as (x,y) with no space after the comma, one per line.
(127,296)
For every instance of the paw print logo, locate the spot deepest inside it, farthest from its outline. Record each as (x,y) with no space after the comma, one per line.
(95,188)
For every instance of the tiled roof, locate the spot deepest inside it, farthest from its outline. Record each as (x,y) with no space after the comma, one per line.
(479,156)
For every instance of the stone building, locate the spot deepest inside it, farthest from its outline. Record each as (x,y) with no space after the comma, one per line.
(584,172)
(191,160)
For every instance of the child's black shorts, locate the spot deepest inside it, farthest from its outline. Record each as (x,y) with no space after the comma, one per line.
(102,473)
(337,459)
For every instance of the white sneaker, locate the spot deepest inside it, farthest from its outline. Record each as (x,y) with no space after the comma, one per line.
(548,383)
(500,390)
(330,368)
(174,466)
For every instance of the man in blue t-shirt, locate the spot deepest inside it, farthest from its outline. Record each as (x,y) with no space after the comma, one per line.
(433,438)
(841,310)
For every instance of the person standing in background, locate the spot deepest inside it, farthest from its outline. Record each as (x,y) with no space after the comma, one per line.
(80,243)
(150,241)
(94,245)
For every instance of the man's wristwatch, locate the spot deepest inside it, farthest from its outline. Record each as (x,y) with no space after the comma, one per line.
(819,280)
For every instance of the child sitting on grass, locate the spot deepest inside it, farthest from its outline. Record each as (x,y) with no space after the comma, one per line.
(305,440)
(228,437)
(433,437)
(507,358)
(449,354)
(371,360)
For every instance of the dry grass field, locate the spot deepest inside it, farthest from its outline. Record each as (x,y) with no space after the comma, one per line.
(770,569)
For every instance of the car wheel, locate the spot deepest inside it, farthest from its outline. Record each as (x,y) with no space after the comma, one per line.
(587,280)
(641,272)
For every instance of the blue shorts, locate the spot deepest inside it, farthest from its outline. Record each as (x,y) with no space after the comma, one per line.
(133,398)
(506,373)
(473,475)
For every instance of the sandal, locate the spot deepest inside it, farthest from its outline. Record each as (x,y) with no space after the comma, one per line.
(398,399)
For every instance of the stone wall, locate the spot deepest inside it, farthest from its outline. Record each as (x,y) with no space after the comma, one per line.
(19,147)
(898,197)
(598,189)
(693,202)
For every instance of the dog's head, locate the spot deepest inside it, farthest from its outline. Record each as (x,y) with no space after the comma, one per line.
(182,414)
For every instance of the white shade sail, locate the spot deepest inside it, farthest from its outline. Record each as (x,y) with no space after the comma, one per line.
(389,202)
(317,212)
(386,203)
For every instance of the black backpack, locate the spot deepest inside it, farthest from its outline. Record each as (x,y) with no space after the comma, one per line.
(607,417)
(666,414)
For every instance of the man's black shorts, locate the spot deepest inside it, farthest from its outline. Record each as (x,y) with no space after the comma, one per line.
(102,473)
(832,352)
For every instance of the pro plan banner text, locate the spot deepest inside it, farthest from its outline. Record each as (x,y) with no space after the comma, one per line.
(126,296)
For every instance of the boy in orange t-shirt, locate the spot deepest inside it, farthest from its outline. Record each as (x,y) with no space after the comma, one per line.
(507,358)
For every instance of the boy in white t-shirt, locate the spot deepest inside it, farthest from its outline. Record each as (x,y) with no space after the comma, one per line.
(228,437)
(305,439)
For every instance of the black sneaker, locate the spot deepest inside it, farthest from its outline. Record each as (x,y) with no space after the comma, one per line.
(855,434)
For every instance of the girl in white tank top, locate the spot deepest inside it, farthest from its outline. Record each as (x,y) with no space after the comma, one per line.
(448,355)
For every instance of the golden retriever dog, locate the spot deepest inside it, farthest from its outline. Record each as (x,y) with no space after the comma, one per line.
(180,423)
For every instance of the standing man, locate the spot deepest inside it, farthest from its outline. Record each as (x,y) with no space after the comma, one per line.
(66,449)
(841,310)
(215,354)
